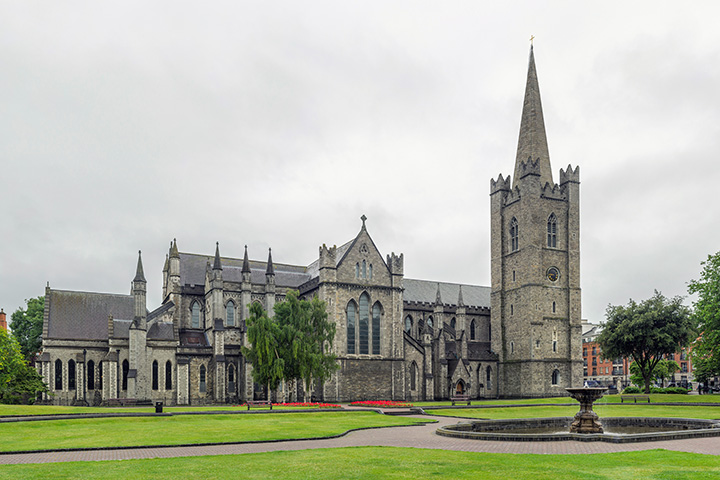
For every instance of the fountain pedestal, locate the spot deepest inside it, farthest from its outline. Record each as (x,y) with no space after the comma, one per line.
(586,421)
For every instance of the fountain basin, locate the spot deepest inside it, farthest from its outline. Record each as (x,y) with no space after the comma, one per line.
(641,429)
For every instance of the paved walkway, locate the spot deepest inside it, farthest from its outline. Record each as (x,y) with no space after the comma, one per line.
(422,436)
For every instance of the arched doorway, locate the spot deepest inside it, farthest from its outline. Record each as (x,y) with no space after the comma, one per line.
(460,388)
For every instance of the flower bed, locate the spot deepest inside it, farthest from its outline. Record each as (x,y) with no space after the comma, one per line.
(381,404)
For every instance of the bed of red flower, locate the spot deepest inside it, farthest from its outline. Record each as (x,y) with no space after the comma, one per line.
(381,404)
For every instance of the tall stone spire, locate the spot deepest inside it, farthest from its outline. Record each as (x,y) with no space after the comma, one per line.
(532,143)
(270,267)
(246,262)
(217,265)
(139,273)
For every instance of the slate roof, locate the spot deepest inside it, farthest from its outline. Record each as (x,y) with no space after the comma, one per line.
(161,331)
(84,315)
(426,291)
(121,328)
(192,271)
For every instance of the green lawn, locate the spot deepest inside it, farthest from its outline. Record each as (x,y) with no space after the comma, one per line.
(633,410)
(6,410)
(392,463)
(654,398)
(184,429)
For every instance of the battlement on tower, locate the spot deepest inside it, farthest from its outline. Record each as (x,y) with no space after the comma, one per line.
(570,175)
(530,167)
(396,263)
(500,185)
(328,256)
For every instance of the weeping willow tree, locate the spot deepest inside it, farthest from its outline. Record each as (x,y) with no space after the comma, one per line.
(295,345)
(264,337)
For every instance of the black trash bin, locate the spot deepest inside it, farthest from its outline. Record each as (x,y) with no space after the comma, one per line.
(158,407)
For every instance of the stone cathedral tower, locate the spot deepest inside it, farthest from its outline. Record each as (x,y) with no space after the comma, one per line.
(535,265)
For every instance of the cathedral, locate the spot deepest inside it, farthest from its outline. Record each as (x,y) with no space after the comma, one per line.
(396,338)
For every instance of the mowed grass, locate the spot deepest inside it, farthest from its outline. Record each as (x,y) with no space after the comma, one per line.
(654,398)
(390,463)
(14,410)
(611,410)
(185,429)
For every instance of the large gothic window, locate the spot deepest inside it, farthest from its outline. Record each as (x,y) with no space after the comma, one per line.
(351,313)
(377,309)
(363,323)
(230,313)
(168,375)
(472,330)
(408,324)
(91,375)
(552,231)
(126,370)
(195,315)
(155,375)
(58,374)
(71,375)
(514,234)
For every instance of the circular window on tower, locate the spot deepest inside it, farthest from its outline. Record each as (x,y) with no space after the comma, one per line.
(553,274)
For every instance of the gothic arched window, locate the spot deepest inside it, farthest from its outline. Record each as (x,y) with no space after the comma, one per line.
(195,315)
(514,234)
(58,374)
(155,375)
(370,271)
(377,309)
(408,324)
(555,377)
(363,322)
(91,375)
(413,375)
(552,231)
(231,373)
(472,330)
(453,323)
(488,378)
(357,270)
(364,270)
(203,386)
(125,371)
(168,375)
(351,314)
(230,313)
(430,322)
(71,375)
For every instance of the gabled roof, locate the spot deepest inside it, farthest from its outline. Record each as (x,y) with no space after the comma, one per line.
(84,315)
(192,271)
(425,291)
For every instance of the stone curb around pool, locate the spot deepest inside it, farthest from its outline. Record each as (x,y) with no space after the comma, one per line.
(465,431)
(209,444)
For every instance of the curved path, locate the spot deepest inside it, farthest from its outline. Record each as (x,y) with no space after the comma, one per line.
(422,436)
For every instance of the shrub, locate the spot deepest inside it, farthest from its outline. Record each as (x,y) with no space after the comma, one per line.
(631,390)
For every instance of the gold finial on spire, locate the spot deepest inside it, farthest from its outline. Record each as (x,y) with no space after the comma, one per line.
(532,37)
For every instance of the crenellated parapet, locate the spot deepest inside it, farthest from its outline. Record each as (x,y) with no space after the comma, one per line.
(530,167)
(328,256)
(513,196)
(500,185)
(570,175)
(553,192)
(396,263)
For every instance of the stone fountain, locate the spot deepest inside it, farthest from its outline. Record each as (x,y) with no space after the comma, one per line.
(586,421)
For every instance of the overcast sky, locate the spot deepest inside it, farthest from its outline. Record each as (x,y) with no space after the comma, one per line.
(279,124)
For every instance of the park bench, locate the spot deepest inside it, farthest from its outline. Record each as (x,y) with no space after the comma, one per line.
(460,399)
(259,403)
(635,398)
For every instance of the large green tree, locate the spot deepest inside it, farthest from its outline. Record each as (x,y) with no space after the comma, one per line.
(27,326)
(646,331)
(18,380)
(706,348)
(294,345)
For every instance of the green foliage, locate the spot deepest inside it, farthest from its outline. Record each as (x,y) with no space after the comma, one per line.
(631,390)
(294,345)
(265,352)
(27,326)
(665,369)
(706,349)
(18,381)
(646,331)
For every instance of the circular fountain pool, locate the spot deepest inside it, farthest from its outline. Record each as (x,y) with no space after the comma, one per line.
(617,429)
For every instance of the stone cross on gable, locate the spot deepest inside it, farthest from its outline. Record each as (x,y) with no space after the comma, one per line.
(363,218)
